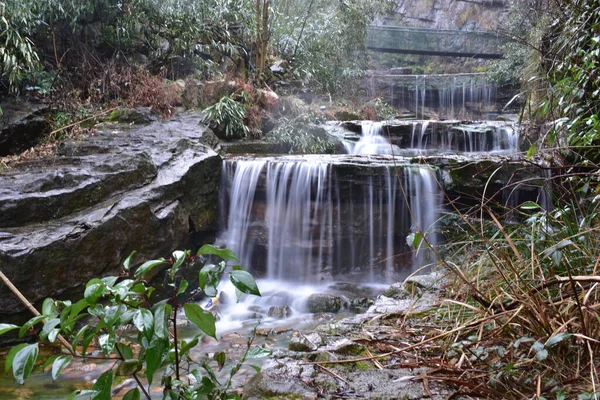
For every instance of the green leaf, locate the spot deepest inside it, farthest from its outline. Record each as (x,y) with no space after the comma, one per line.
(125,351)
(529,205)
(254,367)
(60,363)
(78,336)
(178,257)
(79,394)
(243,281)
(183,285)
(225,254)
(127,262)
(7,328)
(104,386)
(94,290)
(49,308)
(414,239)
(143,320)
(187,346)
(24,361)
(205,275)
(162,310)
(258,352)
(559,337)
(530,152)
(48,327)
(128,367)
(11,356)
(220,358)
(202,319)
(133,394)
(32,322)
(107,342)
(76,309)
(148,266)
(153,358)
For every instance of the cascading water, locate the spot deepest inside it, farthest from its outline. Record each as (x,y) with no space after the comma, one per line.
(305,220)
(372,141)
(490,137)
(447,96)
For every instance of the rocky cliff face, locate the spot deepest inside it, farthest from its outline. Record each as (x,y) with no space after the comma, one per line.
(486,15)
(78,215)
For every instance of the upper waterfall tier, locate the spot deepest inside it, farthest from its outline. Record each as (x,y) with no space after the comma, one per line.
(428,137)
(440,96)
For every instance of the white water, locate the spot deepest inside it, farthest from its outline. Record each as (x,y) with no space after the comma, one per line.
(298,220)
(448,96)
(489,137)
(373,141)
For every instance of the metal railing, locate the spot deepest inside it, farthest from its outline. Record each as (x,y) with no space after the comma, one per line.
(395,39)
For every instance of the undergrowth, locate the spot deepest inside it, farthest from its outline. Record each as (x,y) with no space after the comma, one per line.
(524,311)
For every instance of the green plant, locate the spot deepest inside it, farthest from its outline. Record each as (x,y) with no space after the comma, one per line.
(112,303)
(228,115)
(298,136)
(526,297)
(303,31)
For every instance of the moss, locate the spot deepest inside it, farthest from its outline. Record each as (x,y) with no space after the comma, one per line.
(363,365)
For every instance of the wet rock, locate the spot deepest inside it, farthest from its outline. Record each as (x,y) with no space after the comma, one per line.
(301,342)
(397,291)
(256,308)
(22,125)
(428,282)
(80,214)
(346,347)
(324,303)
(360,305)
(137,116)
(280,312)
(346,115)
(284,378)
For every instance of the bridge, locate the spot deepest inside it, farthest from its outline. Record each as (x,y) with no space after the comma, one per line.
(434,42)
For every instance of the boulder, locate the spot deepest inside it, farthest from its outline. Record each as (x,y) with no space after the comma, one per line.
(78,215)
(301,342)
(280,312)
(324,303)
(22,125)
(134,116)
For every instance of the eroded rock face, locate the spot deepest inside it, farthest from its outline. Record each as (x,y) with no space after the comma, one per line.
(67,219)
(22,125)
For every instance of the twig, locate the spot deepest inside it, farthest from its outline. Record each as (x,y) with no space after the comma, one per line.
(83,120)
(31,308)
(330,372)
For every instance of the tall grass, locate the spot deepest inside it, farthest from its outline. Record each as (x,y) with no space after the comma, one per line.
(526,301)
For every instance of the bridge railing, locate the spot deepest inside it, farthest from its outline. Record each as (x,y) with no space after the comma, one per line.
(394,39)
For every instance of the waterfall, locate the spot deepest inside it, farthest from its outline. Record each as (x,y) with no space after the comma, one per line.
(372,140)
(490,137)
(450,96)
(306,220)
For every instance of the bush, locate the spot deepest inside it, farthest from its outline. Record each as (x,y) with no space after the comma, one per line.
(227,117)
(112,303)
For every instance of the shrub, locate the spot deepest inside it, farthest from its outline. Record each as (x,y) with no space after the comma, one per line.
(112,303)
(227,117)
